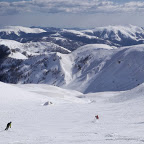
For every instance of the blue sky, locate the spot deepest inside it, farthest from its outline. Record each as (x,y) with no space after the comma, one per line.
(71,13)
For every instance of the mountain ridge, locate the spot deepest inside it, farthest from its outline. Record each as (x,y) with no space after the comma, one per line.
(81,65)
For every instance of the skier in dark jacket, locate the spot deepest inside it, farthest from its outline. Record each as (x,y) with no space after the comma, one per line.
(8,126)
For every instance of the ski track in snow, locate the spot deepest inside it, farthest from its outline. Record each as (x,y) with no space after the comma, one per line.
(70,119)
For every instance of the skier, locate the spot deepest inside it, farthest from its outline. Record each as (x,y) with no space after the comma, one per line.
(97,117)
(8,126)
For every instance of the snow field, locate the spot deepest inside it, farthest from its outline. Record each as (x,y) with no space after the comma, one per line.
(70,119)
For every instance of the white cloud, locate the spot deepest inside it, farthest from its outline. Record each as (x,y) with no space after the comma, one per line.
(69,6)
(10,8)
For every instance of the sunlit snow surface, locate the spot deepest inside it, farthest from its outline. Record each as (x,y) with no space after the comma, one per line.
(70,119)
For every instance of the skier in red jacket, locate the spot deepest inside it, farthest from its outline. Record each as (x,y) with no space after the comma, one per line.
(97,117)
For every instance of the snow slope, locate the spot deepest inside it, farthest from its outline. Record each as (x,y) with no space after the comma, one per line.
(90,68)
(14,48)
(70,119)
(99,69)
(25,50)
(44,47)
(10,43)
(135,93)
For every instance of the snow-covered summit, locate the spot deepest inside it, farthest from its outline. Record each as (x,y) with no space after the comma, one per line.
(116,32)
(117,28)
(121,35)
(17,29)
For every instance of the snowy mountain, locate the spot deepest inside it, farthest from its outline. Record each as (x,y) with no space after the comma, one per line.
(121,35)
(98,70)
(62,78)
(71,39)
(17,30)
(90,68)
